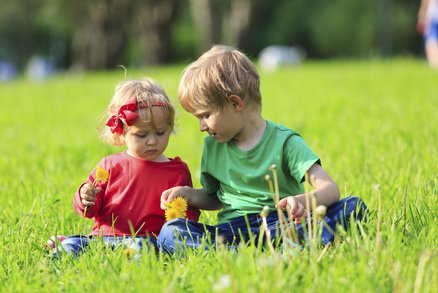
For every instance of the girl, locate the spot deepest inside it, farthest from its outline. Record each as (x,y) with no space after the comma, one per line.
(126,201)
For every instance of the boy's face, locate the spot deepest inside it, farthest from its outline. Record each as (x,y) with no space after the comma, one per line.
(223,125)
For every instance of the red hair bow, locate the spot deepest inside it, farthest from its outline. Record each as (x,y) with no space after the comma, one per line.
(125,115)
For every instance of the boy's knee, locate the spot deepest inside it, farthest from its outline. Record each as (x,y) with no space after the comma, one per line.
(345,208)
(173,226)
(167,232)
(355,206)
(168,235)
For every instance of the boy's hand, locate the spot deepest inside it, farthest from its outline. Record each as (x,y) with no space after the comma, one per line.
(168,195)
(294,207)
(88,194)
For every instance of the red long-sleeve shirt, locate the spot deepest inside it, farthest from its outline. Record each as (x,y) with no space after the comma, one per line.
(131,196)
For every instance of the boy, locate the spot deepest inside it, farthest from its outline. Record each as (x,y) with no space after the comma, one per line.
(222,89)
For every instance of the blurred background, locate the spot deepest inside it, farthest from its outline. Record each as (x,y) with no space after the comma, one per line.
(38,37)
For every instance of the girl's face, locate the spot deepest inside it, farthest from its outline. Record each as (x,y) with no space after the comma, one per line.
(147,140)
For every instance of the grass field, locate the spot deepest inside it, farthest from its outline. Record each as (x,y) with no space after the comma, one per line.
(371,122)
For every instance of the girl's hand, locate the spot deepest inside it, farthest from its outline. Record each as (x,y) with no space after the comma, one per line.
(168,195)
(88,194)
(294,207)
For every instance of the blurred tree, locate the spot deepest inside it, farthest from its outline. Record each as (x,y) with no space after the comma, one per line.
(99,34)
(385,27)
(345,28)
(104,33)
(405,38)
(219,21)
(154,21)
(21,36)
(282,22)
(95,30)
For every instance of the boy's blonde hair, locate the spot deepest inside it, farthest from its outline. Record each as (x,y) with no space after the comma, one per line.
(148,94)
(219,73)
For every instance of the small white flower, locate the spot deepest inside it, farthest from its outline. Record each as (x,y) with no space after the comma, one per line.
(223,283)
(320,211)
(265,211)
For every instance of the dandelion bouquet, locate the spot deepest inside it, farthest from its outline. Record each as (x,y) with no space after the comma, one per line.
(102,176)
(177,208)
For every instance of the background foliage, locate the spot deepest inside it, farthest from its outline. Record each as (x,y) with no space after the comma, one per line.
(104,33)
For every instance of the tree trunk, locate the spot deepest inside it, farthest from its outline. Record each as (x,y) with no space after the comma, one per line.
(100,38)
(154,24)
(207,17)
(238,23)
(220,21)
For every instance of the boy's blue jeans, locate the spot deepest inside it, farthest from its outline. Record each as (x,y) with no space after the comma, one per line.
(76,244)
(180,233)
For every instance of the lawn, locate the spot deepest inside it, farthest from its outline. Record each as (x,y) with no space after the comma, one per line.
(372,123)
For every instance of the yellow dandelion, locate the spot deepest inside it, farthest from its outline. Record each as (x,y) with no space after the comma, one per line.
(46,247)
(181,214)
(129,252)
(101,174)
(101,177)
(179,203)
(177,208)
(171,214)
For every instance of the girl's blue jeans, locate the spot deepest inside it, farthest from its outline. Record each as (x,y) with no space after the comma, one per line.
(76,244)
(180,233)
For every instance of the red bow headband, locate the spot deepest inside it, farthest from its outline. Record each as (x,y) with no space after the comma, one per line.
(126,114)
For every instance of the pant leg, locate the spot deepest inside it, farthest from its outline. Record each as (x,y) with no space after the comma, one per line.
(138,243)
(179,233)
(131,246)
(340,213)
(182,233)
(241,229)
(72,245)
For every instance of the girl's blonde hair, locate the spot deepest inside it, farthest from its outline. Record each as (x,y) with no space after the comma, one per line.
(219,73)
(148,94)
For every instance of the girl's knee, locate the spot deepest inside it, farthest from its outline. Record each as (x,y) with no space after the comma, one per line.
(72,245)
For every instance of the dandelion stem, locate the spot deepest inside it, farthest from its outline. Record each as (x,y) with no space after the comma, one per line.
(308,207)
(379,217)
(268,235)
(95,183)
(323,252)
(421,269)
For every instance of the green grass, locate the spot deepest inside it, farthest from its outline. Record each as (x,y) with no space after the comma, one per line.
(371,122)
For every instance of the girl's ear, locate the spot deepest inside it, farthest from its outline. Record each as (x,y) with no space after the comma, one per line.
(236,102)
(121,139)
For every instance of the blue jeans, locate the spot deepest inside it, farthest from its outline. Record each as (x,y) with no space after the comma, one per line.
(180,233)
(76,244)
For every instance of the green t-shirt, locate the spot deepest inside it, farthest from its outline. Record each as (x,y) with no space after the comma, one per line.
(238,177)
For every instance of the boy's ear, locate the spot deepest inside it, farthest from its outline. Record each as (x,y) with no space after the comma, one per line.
(236,102)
